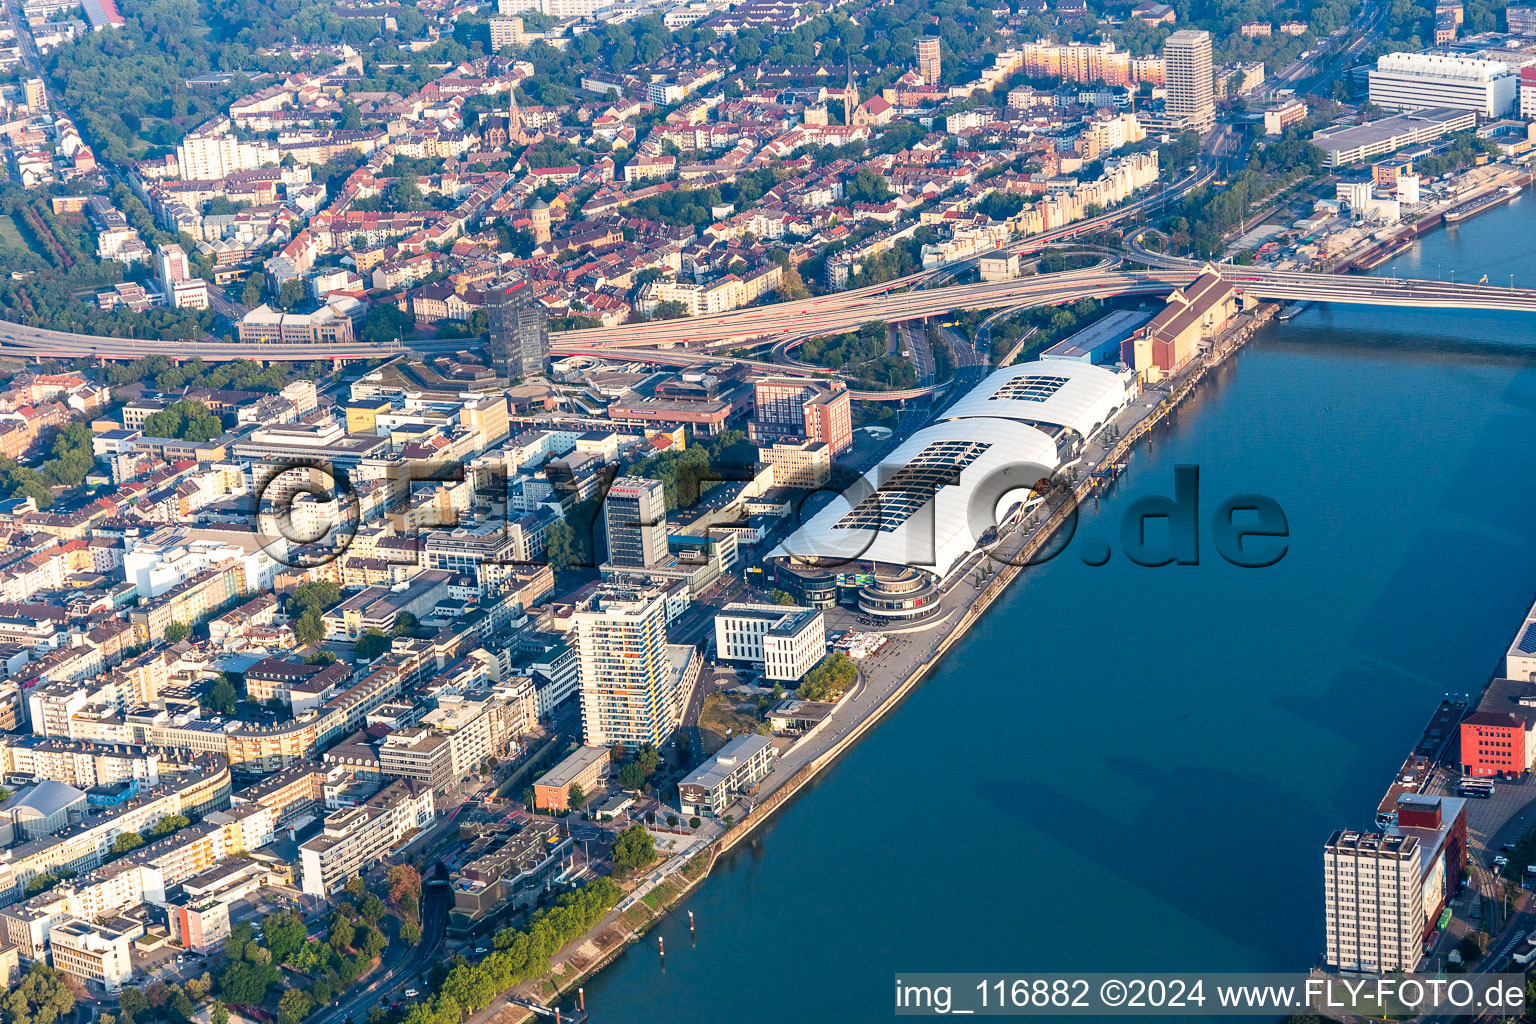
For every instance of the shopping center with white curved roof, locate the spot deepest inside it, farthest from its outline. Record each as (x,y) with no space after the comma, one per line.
(907,523)
(1063,397)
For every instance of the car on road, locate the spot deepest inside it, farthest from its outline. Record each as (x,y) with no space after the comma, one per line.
(1500,861)
(1508,847)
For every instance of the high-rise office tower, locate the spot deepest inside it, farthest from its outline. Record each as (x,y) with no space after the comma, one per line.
(635,520)
(1187,69)
(928,64)
(519,329)
(629,692)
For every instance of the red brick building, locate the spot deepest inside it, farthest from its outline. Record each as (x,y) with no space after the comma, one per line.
(1499,739)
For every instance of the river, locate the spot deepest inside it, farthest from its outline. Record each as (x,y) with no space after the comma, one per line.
(1124,768)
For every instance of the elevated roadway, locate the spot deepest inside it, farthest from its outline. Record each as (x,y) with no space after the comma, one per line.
(671,340)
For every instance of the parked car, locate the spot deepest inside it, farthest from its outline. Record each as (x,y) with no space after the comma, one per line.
(411,993)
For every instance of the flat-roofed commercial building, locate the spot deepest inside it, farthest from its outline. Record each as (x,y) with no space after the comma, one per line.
(93,952)
(736,768)
(786,640)
(1350,144)
(1414,81)
(1373,902)
(802,464)
(586,767)
(264,325)
(1499,738)
(802,409)
(635,521)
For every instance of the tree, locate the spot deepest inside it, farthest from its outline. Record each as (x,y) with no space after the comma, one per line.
(126,842)
(560,546)
(309,627)
(410,933)
(782,597)
(633,850)
(222,696)
(373,942)
(630,776)
(245,983)
(291,293)
(385,323)
(649,758)
(576,796)
(185,420)
(317,594)
(132,1002)
(342,930)
(829,679)
(41,997)
(176,632)
(405,891)
(219,1014)
(371,644)
(250,295)
(372,909)
(294,1006)
(285,935)
(169,825)
(694,822)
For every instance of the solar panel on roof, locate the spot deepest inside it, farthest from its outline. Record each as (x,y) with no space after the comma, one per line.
(1527,642)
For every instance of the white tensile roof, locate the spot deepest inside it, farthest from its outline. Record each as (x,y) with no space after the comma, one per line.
(1060,392)
(929,501)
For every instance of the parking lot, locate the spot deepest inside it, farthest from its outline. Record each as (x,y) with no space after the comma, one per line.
(1502,818)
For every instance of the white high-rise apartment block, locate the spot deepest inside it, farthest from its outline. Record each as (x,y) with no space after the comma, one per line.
(1187,68)
(1417,81)
(629,693)
(1373,893)
(213,152)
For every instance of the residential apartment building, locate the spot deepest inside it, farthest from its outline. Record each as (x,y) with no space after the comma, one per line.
(929,61)
(1187,63)
(359,836)
(1373,902)
(629,693)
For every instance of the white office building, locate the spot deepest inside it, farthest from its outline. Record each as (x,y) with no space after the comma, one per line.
(93,952)
(786,640)
(1373,897)
(1414,81)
